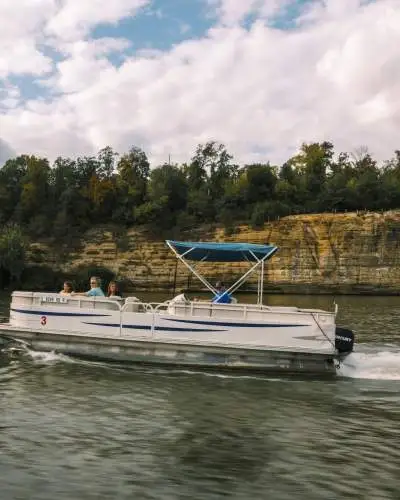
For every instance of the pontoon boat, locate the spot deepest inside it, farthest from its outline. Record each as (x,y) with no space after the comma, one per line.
(184,332)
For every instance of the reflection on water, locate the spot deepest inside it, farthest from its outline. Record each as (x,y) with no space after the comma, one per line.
(80,430)
(83,430)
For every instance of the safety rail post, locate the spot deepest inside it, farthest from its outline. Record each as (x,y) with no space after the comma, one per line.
(120,320)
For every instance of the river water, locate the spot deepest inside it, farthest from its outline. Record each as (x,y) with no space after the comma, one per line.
(83,430)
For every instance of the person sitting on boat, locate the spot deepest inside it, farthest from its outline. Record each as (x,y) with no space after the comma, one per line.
(113,290)
(95,290)
(68,289)
(221,295)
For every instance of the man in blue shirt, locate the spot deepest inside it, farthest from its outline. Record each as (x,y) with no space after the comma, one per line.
(95,290)
(221,295)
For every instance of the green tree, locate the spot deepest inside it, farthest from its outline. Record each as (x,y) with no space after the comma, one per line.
(133,174)
(167,195)
(11,175)
(312,163)
(261,182)
(34,206)
(106,158)
(12,251)
(208,173)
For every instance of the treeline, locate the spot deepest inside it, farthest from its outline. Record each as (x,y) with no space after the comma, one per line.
(62,200)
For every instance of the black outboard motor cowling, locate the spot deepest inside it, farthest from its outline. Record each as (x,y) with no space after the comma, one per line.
(344,340)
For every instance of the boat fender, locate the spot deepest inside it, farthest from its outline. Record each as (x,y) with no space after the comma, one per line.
(344,339)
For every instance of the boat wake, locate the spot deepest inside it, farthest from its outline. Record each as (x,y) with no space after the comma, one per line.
(368,363)
(372,365)
(48,357)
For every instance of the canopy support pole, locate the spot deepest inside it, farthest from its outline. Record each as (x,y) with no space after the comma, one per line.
(181,258)
(176,269)
(243,278)
(238,283)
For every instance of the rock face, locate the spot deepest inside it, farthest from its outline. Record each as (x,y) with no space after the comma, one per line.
(326,253)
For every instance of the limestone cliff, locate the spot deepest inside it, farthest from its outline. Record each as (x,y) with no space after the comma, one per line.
(341,253)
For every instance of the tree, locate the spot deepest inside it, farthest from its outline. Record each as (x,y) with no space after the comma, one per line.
(10,186)
(208,173)
(34,204)
(133,174)
(12,251)
(106,163)
(261,182)
(167,194)
(312,163)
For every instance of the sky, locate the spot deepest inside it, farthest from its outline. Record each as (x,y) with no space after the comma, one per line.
(260,76)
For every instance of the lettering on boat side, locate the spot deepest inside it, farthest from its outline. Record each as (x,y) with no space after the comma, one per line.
(43,320)
(59,300)
(346,339)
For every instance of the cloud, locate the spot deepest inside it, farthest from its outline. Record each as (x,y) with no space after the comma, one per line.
(30,27)
(22,21)
(9,96)
(6,152)
(335,77)
(230,12)
(75,19)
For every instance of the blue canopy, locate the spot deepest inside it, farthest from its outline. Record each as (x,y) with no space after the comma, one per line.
(222,252)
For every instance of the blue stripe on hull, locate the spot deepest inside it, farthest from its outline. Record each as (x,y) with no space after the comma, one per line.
(228,323)
(57,313)
(156,328)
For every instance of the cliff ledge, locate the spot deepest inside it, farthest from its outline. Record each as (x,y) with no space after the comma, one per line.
(323,253)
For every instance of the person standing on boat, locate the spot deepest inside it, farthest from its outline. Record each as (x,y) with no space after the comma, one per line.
(95,290)
(221,295)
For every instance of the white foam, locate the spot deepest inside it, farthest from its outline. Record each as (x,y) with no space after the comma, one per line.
(367,364)
(48,357)
(381,365)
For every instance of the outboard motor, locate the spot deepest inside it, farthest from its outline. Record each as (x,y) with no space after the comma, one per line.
(344,340)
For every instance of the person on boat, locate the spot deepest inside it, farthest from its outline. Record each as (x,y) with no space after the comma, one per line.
(68,289)
(95,290)
(113,290)
(221,295)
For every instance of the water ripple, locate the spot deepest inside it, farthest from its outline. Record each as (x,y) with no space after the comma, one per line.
(74,429)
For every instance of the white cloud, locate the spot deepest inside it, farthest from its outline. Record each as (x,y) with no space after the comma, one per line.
(6,152)
(22,21)
(336,77)
(76,18)
(28,26)
(9,96)
(231,12)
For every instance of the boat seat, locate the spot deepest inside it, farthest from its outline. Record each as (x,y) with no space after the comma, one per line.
(132,304)
(178,305)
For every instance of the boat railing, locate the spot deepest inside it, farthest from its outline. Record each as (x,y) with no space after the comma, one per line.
(210,309)
(200,309)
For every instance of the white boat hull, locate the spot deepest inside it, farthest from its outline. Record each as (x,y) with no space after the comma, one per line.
(173,354)
(236,336)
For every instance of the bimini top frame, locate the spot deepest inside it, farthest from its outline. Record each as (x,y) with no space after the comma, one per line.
(224,252)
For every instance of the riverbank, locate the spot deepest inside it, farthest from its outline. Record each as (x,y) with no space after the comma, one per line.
(352,253)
